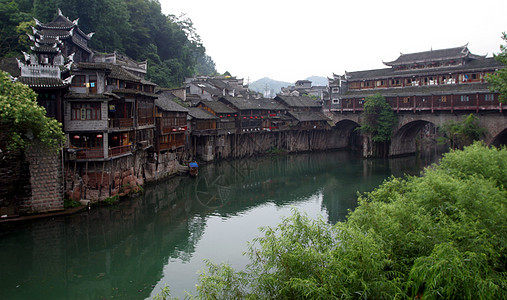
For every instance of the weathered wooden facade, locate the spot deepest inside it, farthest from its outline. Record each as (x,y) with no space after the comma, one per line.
(227,116)
(446,79)
(171,124)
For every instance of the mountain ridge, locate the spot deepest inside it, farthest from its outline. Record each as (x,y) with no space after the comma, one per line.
(270,86)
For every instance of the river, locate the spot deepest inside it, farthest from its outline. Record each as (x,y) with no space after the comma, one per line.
(133,249)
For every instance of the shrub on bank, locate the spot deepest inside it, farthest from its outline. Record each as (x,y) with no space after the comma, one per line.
(440,235)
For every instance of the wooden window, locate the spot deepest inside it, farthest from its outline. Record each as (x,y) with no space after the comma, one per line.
(465,98)
(443,99)
(79,81)
(489,97)
(85,111)
(406,99)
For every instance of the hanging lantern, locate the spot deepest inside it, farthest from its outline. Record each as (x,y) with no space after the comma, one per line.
(76,137)
(115,138)
(99,136)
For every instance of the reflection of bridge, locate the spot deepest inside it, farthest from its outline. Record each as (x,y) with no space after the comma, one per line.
(411,120)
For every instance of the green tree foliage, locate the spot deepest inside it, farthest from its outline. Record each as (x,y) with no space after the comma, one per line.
(137,28)
(462,133)
(11,28)
(440,235)
(377,124)
(25,119)
(498,80)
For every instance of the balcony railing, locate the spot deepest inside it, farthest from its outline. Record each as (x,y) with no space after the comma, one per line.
(89,153)
(172,145)
(121,123)
(119,150)
(145,121)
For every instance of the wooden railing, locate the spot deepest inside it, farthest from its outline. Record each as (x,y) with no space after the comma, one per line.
(145,121)
(119,150)
(473,101)
(121,123)
(89,153)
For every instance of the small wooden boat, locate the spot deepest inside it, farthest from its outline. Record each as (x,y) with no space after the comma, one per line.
(193,169)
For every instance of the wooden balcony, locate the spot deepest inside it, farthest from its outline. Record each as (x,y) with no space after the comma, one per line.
(121,123)
(145,121)
(90,153)
(119,150)
(171,145)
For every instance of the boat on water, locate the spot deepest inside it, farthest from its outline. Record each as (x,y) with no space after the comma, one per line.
(193,169)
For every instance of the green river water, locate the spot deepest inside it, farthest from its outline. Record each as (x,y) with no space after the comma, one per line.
(133,249)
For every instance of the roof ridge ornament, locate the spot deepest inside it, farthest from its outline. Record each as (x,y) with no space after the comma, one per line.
(76,21)
(59,12)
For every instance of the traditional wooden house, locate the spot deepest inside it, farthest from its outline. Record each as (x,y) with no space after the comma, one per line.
(309,120)
(203,129)
(452,78)
(171,123)
(201,122)
(203,89)
(299,103)
(109,111)
(56,45)
(257,114)
(227,115)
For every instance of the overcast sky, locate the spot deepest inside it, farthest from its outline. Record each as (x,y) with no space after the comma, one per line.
(290,40)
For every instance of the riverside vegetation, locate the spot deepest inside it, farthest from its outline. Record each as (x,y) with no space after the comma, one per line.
(439,235)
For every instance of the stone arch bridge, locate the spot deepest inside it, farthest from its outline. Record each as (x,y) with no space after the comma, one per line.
(410,124)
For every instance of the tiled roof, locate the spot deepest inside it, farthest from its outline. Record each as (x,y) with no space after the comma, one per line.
(134,92)
(218,107)
(100,97)
(115,71)
(260,104)
(42,82)
(309,116)
(165,102)
(489,63)
(421,90)
(432,55)
(200,114)
(298,101)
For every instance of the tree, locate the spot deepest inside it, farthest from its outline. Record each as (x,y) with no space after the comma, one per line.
(498,81)
(137,28)
(25,119)
(462,133)
(436,236)
(377,122)
(12,23)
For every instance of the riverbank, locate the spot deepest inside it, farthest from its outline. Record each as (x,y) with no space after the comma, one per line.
(66,212)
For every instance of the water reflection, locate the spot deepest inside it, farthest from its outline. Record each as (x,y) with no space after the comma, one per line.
(134,248)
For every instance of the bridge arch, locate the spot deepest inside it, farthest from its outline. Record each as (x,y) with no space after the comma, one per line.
(404,139)
(346,135)
(500,139)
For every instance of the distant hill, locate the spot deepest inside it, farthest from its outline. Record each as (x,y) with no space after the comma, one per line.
(274,87)
(267,84)
(318,80)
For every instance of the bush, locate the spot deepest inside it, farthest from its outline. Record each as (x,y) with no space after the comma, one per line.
(440,235)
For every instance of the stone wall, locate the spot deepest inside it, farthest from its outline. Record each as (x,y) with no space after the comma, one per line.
(45,180)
